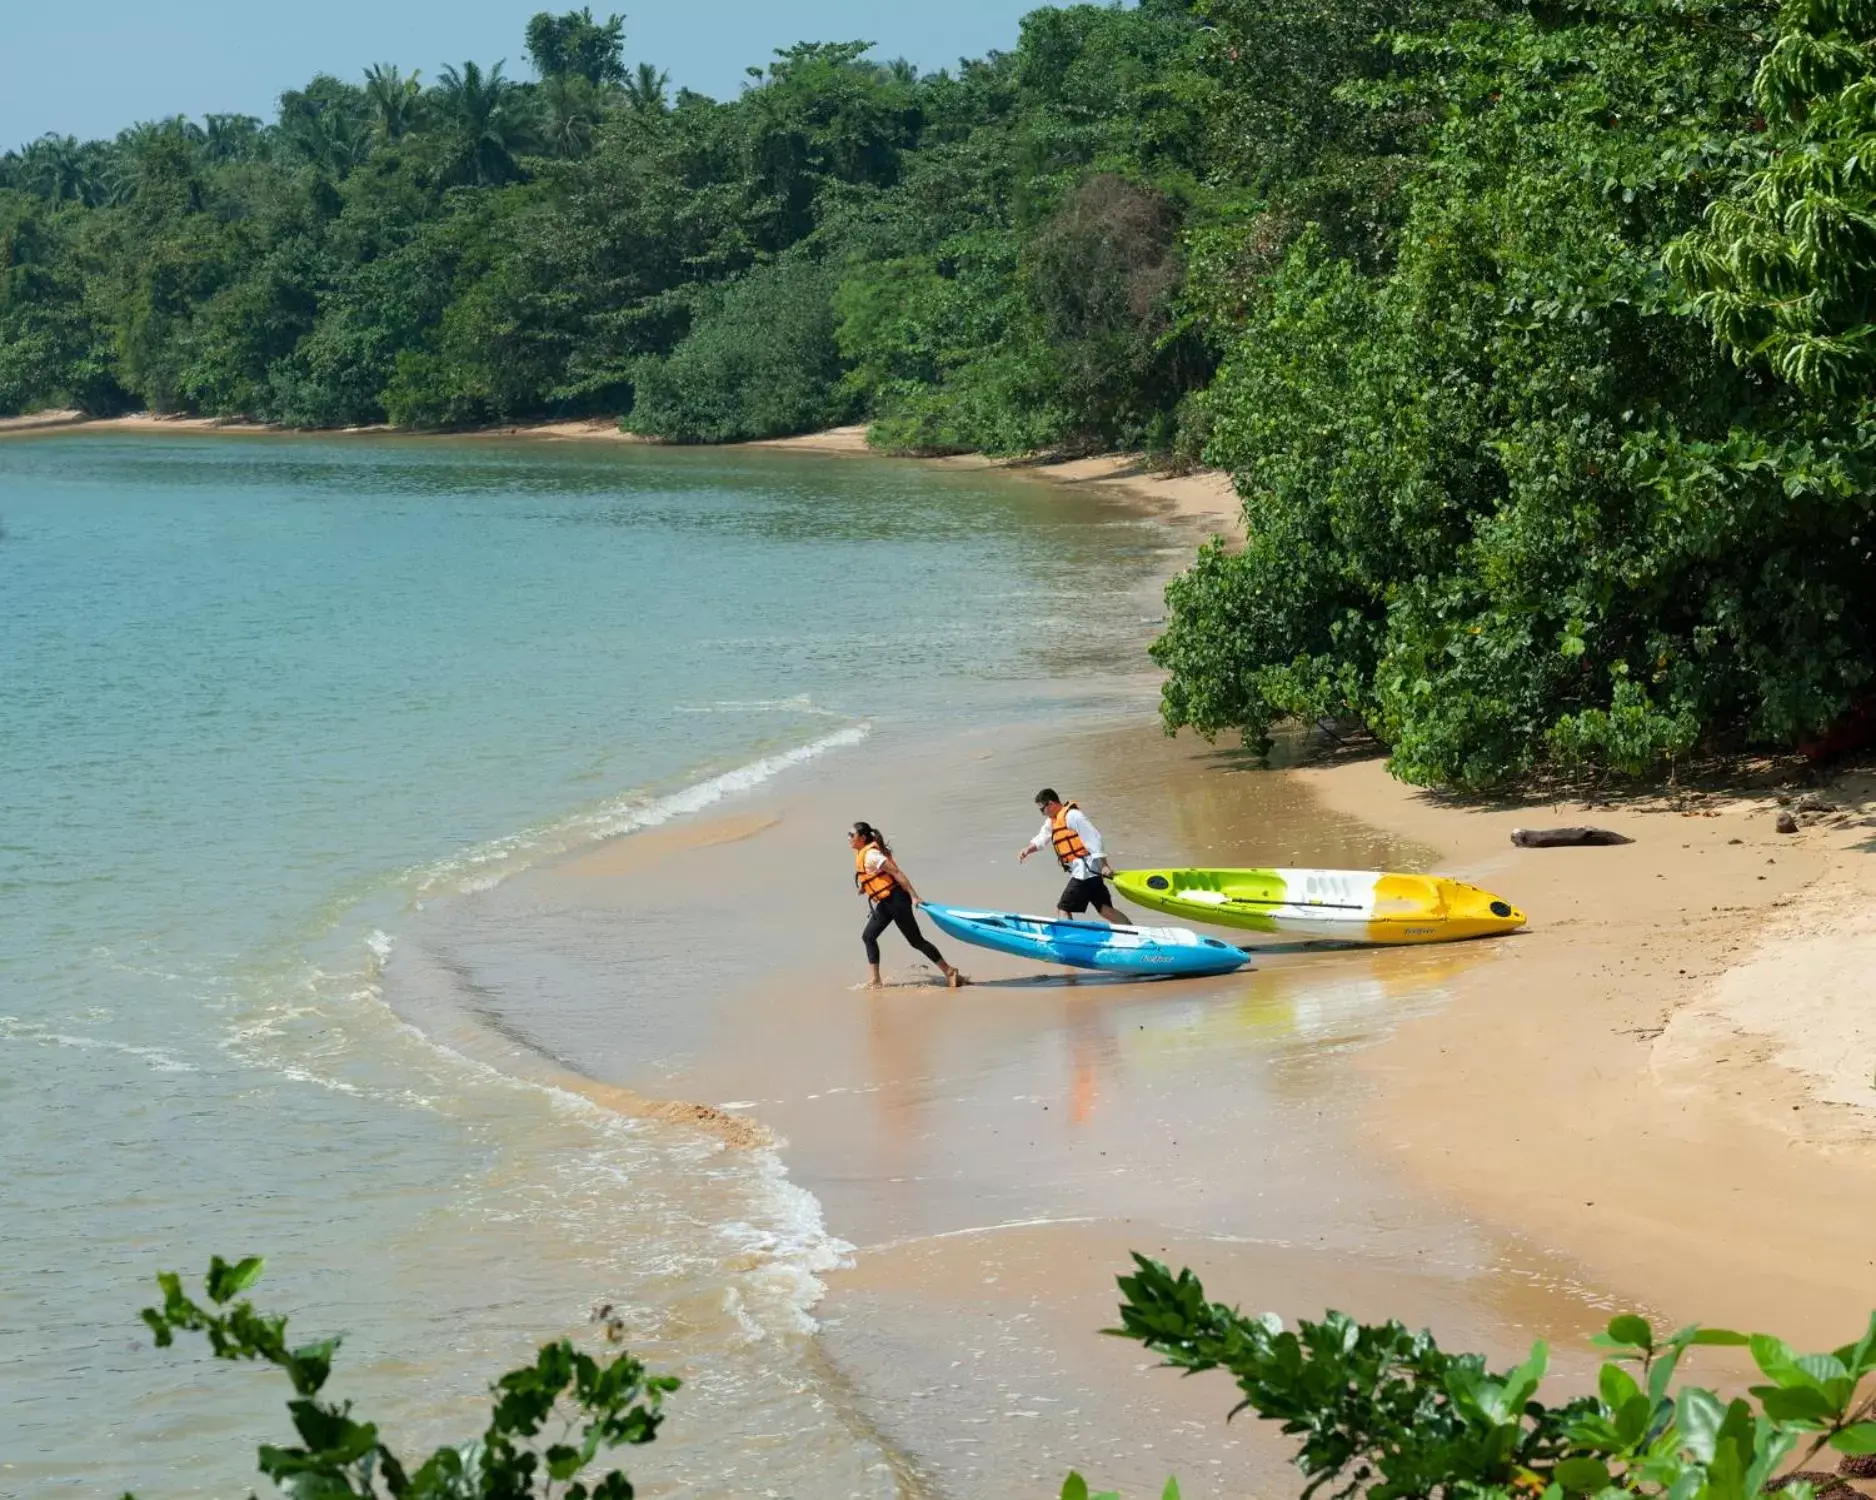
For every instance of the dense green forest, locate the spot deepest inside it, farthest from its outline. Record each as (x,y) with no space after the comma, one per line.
(1537,334)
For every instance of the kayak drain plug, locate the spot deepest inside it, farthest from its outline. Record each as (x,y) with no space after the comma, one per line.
(1157,882)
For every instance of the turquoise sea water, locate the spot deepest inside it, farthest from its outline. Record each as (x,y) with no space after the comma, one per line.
(259,698)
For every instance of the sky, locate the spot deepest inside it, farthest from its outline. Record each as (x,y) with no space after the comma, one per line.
(90,67)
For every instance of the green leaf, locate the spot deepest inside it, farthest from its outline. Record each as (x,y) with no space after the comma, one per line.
(1616,1387)
(1777,1359)
(1860,1438)
(1860,1358)
(1723,1337)
(1795,1403)
(1583,1476)
(1074,1487)
(1698,1413)
(1632,1331)
(159,1326)
(1632,1421)
(226,1282)
(1171,1492)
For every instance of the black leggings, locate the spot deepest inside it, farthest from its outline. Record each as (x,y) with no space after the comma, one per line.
(896,910)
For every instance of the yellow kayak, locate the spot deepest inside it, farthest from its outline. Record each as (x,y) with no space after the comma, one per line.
(1325,906)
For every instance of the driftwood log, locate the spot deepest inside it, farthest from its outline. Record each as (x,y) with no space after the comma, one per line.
(1562,838)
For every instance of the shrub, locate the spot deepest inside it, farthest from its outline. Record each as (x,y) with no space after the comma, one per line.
(1388,1414)
(760,361)
(613,1403)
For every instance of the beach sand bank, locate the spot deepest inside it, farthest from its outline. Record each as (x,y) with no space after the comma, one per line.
(1203,495)
(1502,1140)
(1670,1078)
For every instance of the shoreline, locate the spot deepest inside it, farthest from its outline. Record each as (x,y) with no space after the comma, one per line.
(1204,496)
(992,1154)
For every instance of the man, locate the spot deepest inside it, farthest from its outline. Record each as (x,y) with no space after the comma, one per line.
(1077,845)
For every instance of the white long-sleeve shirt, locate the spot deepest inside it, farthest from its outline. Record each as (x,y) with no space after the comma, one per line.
(1078,869)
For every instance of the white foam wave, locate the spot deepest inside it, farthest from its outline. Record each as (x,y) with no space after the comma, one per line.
(13,1029)
(781,1261)
(487,865)
(800,704)
(772,1258)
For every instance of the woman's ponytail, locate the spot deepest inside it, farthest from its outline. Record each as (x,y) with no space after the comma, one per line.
(873,836)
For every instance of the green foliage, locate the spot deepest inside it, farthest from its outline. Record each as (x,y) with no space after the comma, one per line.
(1506,504)
(1784,265)
(483,249)
(550,1419)
(1388,1414)
(760,362)
(1076,1488)
(574,45)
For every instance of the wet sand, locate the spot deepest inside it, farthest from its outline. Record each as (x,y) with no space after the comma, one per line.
(993,1154)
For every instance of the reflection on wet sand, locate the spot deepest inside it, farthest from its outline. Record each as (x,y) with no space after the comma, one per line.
(994,1152)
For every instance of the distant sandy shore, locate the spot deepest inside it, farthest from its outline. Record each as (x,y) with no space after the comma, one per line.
(1204,496)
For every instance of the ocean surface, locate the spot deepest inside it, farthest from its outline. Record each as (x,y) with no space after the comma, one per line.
(262,702)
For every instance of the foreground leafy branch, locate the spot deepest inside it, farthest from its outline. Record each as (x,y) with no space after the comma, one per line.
(1389,1414)
(595,1406)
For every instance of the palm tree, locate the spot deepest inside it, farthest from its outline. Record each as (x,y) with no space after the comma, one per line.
(644,90)
(489,117)
(231,137)
(394,99)
(156,162)
(330,138)
(568,114)
(57,168)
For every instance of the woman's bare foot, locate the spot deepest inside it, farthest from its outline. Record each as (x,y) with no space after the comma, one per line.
(956,978)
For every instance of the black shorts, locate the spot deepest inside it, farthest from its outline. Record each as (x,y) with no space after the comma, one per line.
(1078,895)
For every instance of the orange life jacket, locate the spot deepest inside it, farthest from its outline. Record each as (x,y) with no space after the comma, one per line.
(1068,844)
(875,885)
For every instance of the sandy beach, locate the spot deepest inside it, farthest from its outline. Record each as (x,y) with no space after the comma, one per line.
(1628,1106)
(1671,1077)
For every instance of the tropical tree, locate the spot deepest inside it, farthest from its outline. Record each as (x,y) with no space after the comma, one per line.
(326,125)
(575,45)
(645,89)
(230,138)
(394,98)
(488,122)
(58,169)
(1785,265)
(567,115)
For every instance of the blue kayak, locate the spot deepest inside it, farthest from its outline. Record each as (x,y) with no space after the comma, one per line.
(1090,945)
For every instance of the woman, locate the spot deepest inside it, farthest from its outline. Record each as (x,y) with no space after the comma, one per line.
(885,885)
